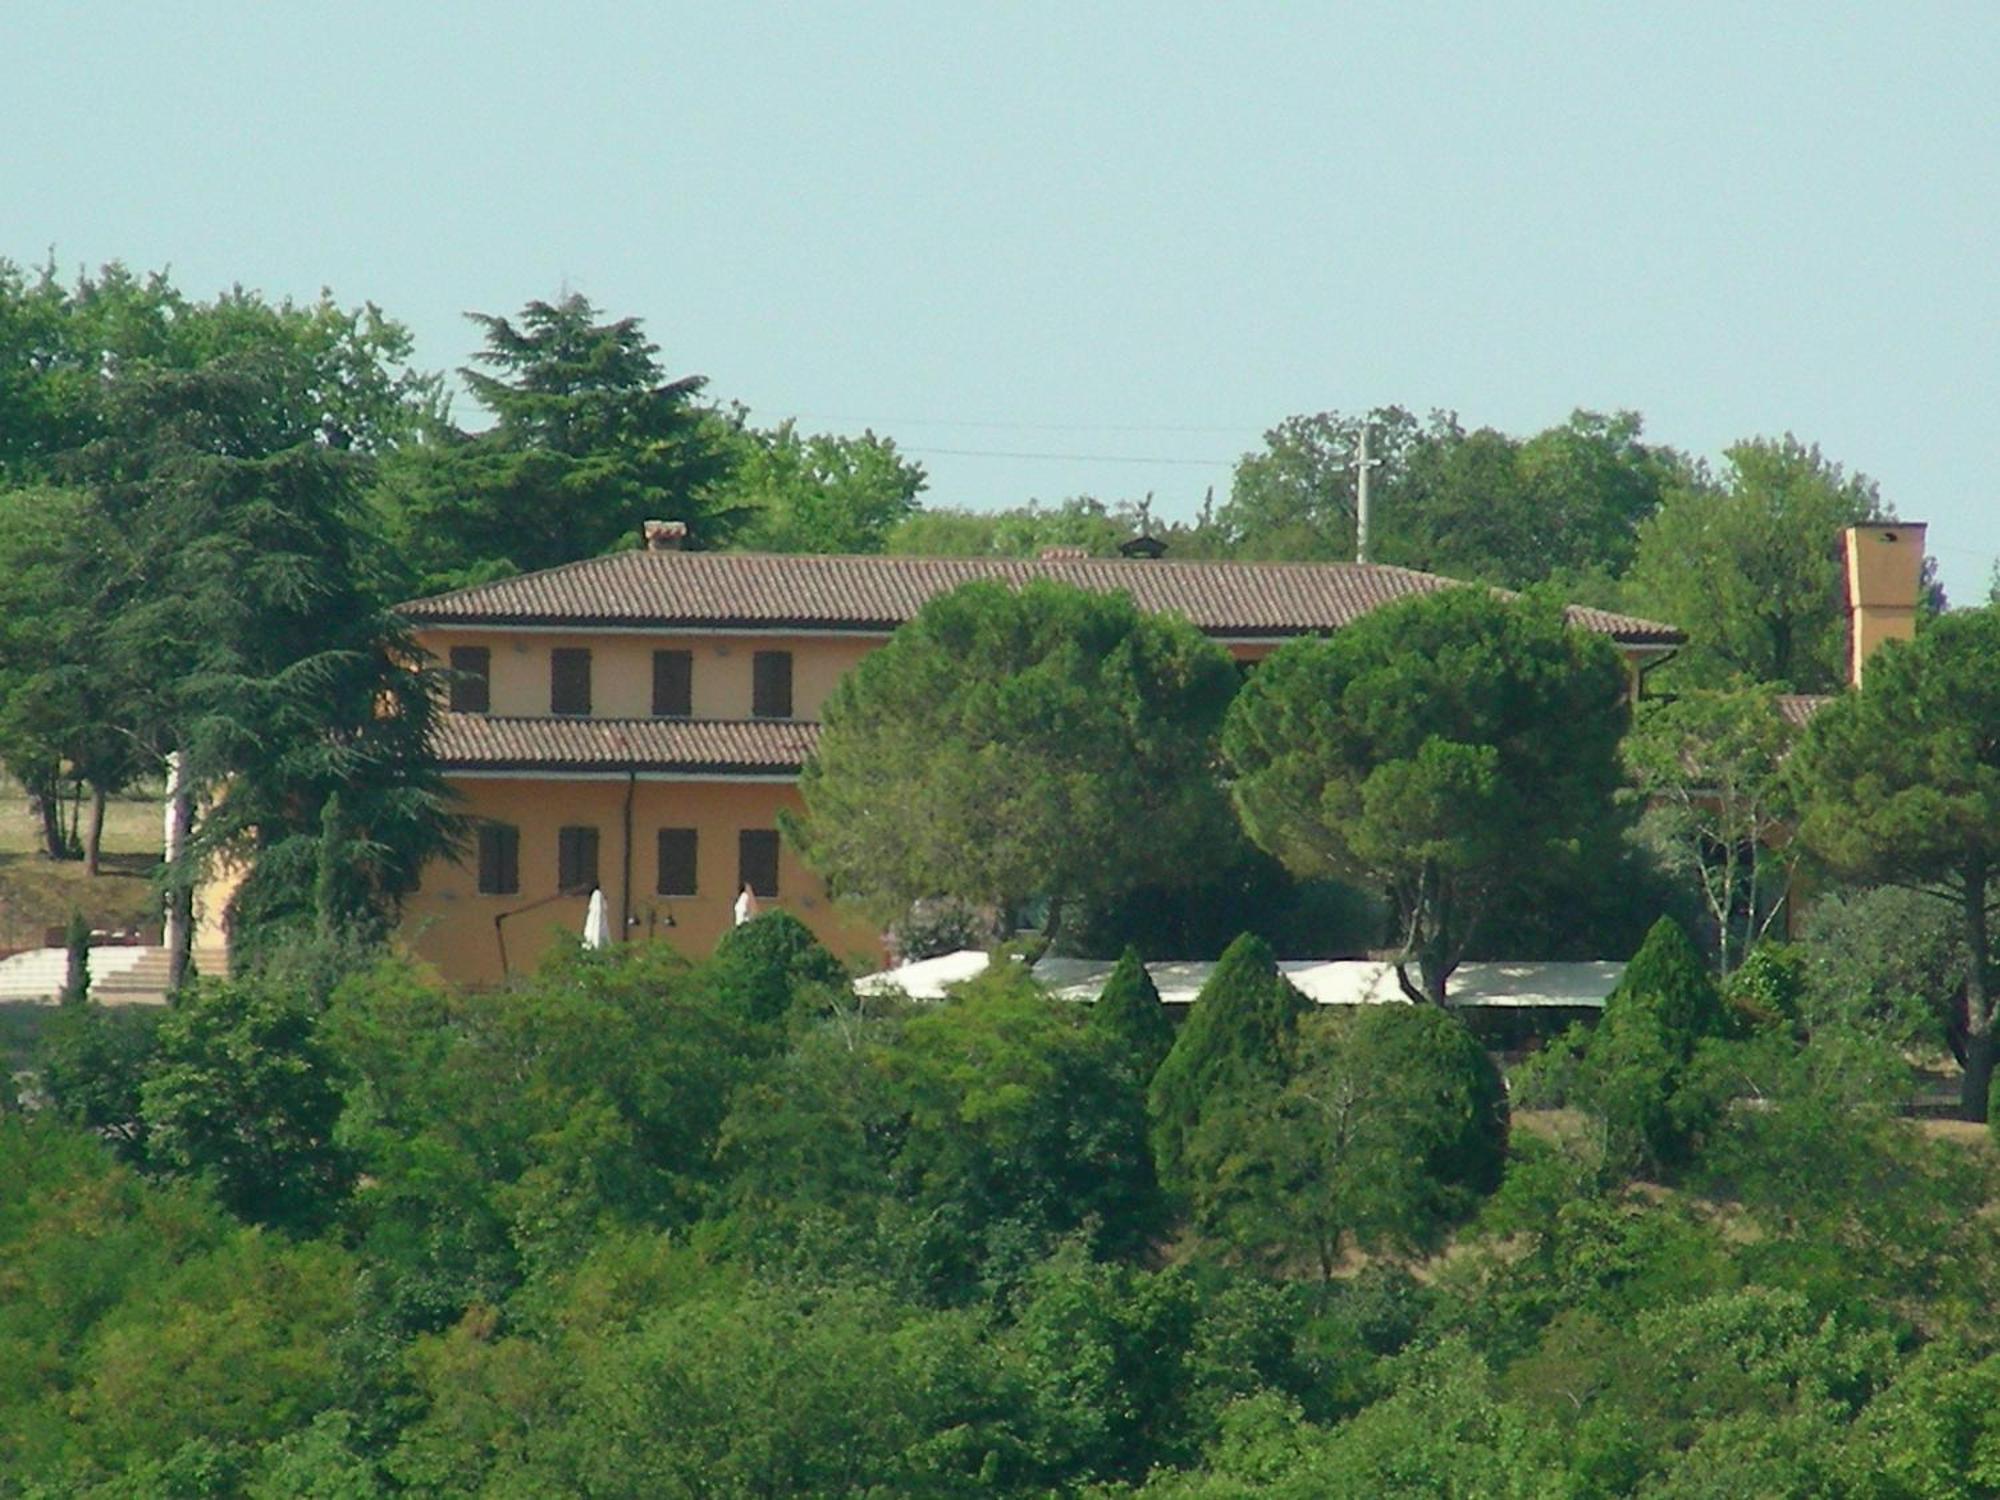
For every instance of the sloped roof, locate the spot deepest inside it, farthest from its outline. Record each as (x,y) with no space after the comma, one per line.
(757,591)
(483,742)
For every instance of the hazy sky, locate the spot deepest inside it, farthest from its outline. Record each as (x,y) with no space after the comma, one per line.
(1134,235)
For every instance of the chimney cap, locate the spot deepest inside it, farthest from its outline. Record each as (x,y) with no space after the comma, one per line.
(664,536)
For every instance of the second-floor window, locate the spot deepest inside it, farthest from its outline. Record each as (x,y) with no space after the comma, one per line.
(673,684)
(569,680)
(576,859)
(771,685)
(471,672)
(499,859)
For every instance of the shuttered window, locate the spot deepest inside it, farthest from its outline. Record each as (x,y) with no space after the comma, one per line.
(678,847)
(471,671)
(499,859)
(569,680)
(576,859)
(757,860)
(673,684)
(771,685)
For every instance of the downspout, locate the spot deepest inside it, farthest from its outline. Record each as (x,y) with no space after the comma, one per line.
(625,883)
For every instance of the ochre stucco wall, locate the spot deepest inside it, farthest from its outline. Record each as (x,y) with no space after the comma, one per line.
(450,923)
(621,668)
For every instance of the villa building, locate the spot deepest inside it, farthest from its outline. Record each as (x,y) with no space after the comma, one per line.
(634,723)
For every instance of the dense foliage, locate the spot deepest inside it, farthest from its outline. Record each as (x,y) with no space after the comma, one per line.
(1440,750)
(645,1227)
(1012,744)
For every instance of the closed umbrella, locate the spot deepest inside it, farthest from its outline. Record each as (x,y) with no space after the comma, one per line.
(746,906)
(596,925)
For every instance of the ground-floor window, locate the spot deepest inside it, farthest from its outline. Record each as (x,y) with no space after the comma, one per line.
(499,859)
(576,859)
(757,860)
(678,847)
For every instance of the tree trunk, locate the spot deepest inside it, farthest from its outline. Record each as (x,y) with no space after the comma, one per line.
(93,843)
(180,879)
(48,802)
(1977,1079)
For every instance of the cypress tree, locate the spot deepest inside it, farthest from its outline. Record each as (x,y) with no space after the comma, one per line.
(76,982)
(1239,1035)
(1129,1012)
(1669,982)
(1663,1008)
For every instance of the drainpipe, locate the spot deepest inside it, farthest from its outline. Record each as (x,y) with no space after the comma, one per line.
(625,884)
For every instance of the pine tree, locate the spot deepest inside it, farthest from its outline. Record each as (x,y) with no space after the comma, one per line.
(1129,1012)
(1239,1035)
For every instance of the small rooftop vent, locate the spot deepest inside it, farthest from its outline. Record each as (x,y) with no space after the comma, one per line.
(665,536)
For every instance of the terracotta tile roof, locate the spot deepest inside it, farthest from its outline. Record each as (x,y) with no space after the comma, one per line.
(755,591)
(482,742)
(1796,708)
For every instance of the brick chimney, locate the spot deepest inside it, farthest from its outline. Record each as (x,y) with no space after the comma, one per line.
(1885,565)
(665,536)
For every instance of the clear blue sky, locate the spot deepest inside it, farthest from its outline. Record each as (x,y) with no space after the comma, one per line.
(1140,233)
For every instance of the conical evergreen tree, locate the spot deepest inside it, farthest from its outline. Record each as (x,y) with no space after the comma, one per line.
(1130,1013)
(1669,981)
(1663,1008)
(1238,1035)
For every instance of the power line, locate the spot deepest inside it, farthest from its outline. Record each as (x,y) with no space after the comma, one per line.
(1081,458)
(820,416)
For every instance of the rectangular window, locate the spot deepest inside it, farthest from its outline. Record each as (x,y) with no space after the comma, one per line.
(576,859)
(471,671)
(757,860)
(673,684)
(771,685)
(499,859)
(569,680)
(677,861)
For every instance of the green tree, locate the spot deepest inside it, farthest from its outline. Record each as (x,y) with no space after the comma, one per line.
(1238,1036)
(1477,505)
(60,710)
(1391,1126)
(820,493)
(765,968)
(243,1093)
(252,633)
(1900,781)
(1710,766)
(1440,750)
(1021,1121)
(1635,1065)
(590,440)
(1007,745)
(1750,566)
(1130,1015)
(1021,531)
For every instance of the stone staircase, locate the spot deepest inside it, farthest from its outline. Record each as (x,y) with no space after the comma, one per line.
(118,976)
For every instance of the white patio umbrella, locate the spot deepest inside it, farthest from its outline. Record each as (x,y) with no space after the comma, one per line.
(596,923)
(746,906)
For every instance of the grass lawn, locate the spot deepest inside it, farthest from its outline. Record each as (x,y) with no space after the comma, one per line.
(38,893)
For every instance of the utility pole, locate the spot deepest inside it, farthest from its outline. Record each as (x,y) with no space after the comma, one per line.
(1363,463)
